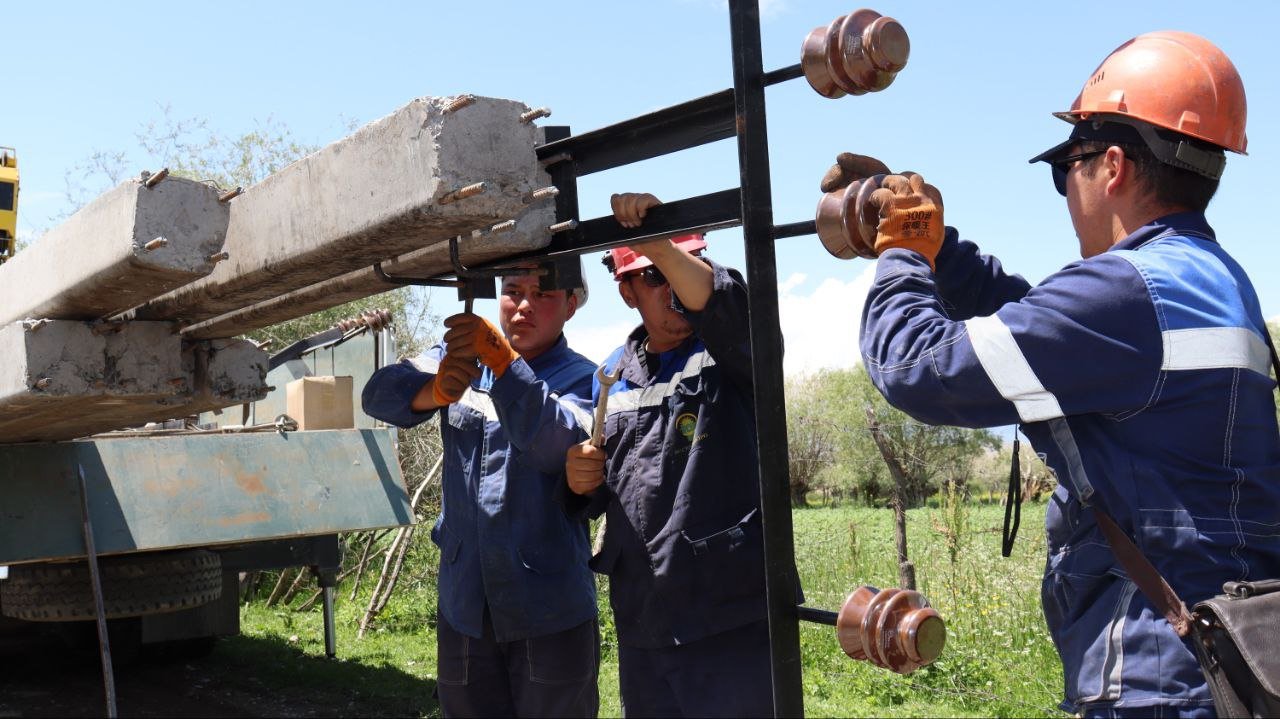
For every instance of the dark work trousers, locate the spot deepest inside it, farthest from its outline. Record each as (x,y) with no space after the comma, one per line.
(549,676)
(725,675)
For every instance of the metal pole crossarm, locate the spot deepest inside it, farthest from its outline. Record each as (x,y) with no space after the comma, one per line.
(795,229)
(781,581)
(703,213)
(679,127)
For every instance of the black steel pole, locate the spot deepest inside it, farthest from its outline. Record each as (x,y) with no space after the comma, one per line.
(766,352)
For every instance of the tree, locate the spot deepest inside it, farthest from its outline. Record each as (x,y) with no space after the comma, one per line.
(829,441)
(811,444)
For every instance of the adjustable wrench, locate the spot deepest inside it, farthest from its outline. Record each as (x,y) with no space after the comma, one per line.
(606,381)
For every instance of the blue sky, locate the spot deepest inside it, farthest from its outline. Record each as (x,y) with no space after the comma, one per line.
(971,106)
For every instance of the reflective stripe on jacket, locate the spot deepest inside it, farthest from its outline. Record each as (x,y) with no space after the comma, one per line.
(505,539)
(1141,374)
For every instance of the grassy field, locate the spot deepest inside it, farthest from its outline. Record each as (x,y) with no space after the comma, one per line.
(998,660)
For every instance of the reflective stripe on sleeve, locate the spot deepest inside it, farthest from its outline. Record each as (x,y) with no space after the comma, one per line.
(1215,348)
(585,419)
(1008,370)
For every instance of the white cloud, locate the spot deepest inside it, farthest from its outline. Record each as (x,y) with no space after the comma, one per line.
(595,342)
(820,326)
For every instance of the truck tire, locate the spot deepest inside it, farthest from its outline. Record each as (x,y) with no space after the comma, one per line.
(132,585)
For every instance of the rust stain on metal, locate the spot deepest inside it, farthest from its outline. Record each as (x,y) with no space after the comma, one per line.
(250,483)
(245,518)
(170,487)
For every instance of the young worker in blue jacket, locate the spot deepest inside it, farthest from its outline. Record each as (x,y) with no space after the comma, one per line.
(677,483)
(1141,372)
(517,633)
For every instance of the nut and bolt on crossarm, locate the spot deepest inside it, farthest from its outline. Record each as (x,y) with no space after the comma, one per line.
(563,226)
(540,194)
(530,116)
(231,194)
(150,180)
(156,244)
(458,103)
(463,193)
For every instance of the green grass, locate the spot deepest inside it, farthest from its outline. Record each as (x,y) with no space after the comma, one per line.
(998,660)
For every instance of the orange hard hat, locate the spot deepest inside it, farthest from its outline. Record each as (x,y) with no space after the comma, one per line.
(627,260)
(1174,80)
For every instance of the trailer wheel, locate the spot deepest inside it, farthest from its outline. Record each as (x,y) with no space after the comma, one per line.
(132,585)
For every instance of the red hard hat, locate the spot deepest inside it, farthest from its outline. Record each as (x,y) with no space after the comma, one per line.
(627,260)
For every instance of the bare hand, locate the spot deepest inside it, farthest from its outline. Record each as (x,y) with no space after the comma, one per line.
(584,468)
(629,208)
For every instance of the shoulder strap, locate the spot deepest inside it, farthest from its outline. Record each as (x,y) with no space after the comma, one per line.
(1145,575)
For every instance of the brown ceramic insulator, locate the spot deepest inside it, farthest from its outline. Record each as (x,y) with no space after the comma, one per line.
(849,621)
(813,60)
(859,219)
(886,45)
(895,629)
(889,648)
(926,634)
(833,61)
(868,49)
(830,223)
(870,630)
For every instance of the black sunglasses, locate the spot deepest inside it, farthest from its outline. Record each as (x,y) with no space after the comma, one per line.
(652,276)
(1060,167)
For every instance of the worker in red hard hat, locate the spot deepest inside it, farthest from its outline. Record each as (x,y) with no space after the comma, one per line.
(652,294)
(677,482)
(1140,373)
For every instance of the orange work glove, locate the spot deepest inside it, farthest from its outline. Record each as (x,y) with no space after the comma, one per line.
(910,213)
(473,337)
(850,167)
(584,467)
(453,378)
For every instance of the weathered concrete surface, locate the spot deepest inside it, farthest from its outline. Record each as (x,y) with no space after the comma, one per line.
(67,379)
(373,195)
(225,372)
(95,264)
(530,232)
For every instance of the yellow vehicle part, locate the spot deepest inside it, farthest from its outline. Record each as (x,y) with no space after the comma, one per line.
(8,201)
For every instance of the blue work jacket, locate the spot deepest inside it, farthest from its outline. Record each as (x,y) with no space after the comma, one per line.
(505,538)
(1141,375)
(683,545)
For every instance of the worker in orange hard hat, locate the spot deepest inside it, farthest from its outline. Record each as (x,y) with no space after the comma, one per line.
(1140,373)
(676,479)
